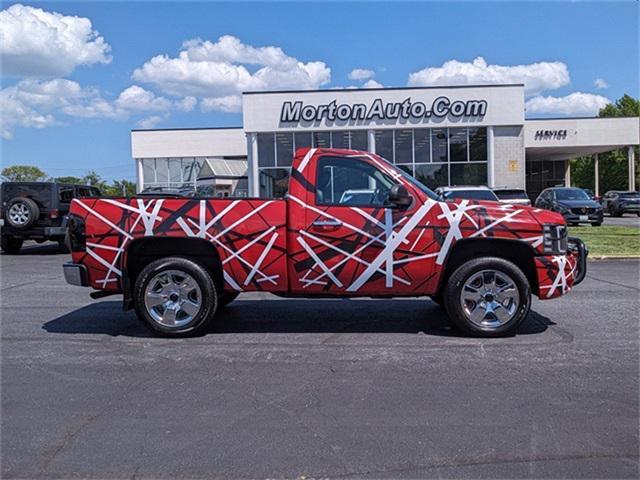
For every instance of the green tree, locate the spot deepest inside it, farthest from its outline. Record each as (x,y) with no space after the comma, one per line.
(70,179)
(614,173)
(23,173)
(121,188)
(92,178)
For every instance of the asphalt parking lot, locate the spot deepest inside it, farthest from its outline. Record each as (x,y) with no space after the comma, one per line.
(325,388)
(627,220)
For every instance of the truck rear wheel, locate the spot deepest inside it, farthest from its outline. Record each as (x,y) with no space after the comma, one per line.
(175,297)
(488,297)
(11,245)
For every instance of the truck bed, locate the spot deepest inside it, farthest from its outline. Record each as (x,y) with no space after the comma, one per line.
(248,234)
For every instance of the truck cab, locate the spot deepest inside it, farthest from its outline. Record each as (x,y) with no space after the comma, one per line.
(351,224)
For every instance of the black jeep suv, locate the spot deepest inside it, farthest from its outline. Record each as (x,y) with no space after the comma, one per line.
(37,211)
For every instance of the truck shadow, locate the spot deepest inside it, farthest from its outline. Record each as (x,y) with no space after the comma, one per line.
(290,316)
(33,248)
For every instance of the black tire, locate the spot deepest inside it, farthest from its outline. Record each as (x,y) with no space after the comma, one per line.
(226,298)
(29,213)
(207,293)
(453,292)
(616,213)
(596,224)
(11,245)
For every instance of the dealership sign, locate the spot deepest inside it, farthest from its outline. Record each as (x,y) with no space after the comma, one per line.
(297,111)
(550,135)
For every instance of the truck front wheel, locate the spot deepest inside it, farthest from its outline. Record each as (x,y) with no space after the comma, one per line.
(488,297)
(175,297)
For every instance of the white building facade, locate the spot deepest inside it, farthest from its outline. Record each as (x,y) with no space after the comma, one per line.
(463,135)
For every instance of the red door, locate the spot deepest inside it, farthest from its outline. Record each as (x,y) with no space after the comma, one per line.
(350,241)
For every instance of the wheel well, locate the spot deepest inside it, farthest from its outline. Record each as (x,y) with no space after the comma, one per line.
(143,251)
(515,251)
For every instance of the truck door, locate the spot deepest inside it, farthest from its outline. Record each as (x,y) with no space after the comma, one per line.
(352,241)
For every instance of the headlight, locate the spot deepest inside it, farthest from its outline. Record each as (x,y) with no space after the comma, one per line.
(561,208)
(554,238)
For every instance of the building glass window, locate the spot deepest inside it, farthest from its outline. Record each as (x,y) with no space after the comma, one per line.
(468,174)
(340,139)
(284,149)
(302,140)
(175,171)
(432,175)
(384,144)
(439,146)
(266,150)
(359,140)
(458,145)
(403,146)
(148,171)
(422,145)
(322,139)
(478,144)
(162,171)
(274,182)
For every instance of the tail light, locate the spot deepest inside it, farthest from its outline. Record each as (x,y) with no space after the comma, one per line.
(53,213)
(75,238)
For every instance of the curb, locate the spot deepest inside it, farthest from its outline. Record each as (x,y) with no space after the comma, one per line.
(613,257)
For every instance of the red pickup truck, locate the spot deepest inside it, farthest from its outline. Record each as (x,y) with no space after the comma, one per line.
(352,224)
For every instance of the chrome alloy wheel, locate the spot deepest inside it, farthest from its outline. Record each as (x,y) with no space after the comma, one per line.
(19,213)
(490,298)
(173,298)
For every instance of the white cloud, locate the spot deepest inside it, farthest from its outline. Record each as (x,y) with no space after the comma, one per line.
(361,74)
(600,83)
(229,103)
(218,72)
(34,42)
(372,84)
(536,77)
(35,103)
(151,121)
(574,104)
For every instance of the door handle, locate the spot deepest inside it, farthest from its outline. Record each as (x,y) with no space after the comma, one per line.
(327,223)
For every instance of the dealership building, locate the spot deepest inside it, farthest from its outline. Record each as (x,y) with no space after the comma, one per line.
(461,135)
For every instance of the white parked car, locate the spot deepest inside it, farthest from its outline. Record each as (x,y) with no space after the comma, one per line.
(512,196)
(467,193)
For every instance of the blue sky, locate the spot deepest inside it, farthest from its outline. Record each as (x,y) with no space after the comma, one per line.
(61,108)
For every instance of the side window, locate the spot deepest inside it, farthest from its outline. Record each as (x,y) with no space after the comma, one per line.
(350,182)
(65,194)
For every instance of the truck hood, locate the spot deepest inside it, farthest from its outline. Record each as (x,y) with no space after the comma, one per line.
(520,216)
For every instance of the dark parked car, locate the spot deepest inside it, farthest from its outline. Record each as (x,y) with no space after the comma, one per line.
(573,203)
(37,211)
(617,203)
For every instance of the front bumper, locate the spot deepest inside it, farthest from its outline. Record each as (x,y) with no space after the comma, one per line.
(596,217)
(75,274)
(557,274)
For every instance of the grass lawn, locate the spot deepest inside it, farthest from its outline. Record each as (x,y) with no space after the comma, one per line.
(609,240)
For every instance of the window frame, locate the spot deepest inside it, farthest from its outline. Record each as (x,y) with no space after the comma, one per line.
(351,205)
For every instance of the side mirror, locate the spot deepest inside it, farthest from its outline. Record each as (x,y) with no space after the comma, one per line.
(399,196)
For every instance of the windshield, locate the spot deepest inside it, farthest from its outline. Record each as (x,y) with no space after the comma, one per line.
(571,194)
(511,194)
(471,195)
(413,181)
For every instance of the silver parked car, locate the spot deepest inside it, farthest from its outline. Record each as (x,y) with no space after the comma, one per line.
(467,192)
(512,196)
